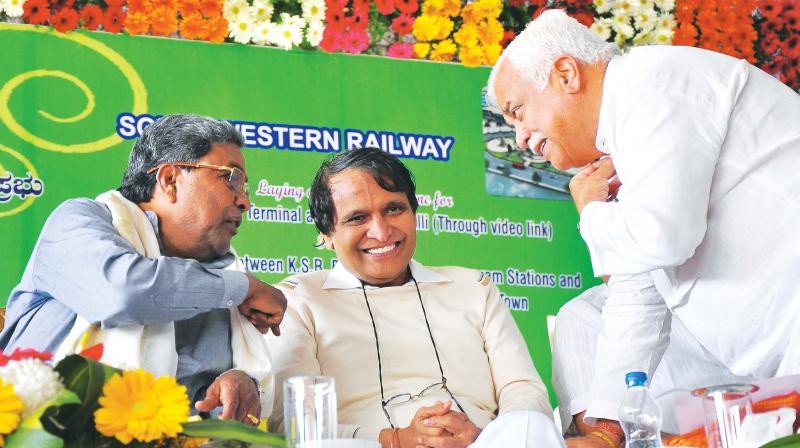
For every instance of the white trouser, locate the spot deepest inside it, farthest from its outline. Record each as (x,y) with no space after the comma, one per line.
(686,365)
(520,429)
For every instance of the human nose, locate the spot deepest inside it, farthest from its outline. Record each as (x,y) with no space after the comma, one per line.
(379,229)
(242,201)
(522,135)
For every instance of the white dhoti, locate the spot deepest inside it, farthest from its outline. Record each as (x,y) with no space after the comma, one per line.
(520,429)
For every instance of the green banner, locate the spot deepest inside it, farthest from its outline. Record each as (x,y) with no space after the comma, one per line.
(71,105)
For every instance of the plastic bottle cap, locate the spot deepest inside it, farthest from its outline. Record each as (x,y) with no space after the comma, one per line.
(636,379)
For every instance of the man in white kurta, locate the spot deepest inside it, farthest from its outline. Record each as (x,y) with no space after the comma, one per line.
(372,321)
(705,226)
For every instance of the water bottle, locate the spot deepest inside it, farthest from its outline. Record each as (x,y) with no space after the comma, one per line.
(639,414)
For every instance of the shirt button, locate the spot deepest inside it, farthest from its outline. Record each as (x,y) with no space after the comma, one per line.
(230,302)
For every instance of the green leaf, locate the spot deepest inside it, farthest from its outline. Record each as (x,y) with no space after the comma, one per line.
(33,432)
(232,430)
(785,442)
(29,437)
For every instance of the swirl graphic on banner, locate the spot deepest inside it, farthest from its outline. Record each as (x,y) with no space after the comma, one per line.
(6,177)
(130,74)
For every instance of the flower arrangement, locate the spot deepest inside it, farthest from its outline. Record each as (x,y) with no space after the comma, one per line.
(629,23)
(81,402)
(778,45)
(724,27)
(285,24)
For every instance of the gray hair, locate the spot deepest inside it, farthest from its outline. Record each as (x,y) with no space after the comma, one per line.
(172,138)
(550,36)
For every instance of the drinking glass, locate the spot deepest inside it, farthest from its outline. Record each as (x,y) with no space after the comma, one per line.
(725,408)
(309,411)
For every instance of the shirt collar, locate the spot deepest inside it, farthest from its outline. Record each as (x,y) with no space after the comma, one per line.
(609,85)
(340,278)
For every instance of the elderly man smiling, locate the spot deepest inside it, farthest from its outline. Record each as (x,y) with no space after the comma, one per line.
(421,356)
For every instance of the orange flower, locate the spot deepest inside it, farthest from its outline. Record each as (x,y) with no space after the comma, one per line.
(36,12)
(217,29)
(163,21)
(92,16)
(168,4)
(142,6)
(113,19)
(211,8)
(187,7)
(66,19)
(115,3)
(137,23)
(490,33)
(193,26)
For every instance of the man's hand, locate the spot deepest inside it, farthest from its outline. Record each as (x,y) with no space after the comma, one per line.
(597,182)
(460,432)
(237,394)
(263,306)
(411,435)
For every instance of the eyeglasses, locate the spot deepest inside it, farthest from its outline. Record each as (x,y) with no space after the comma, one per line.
(236,178)
(407,397)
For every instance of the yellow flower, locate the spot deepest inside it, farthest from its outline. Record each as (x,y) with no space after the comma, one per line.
(451,8)
(443,51)
(444,28)
(432,7)
(428,28)
(492,53)
(468,14)
(134,405)
(467,35)
(10,409)
(488,9)
(491,33)
(471,55)
(421,50)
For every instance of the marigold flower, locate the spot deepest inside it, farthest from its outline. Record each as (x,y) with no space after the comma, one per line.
(143,6)
(385,7)
(137,406)
(451,8)
(407,6)
(467,35)
(92,16)
(421,50)
(471,55)
(433,7)
(468,14)
(187,7)
(443,51)
(403,24)
(10,408)
(66,19)
(137,23)
(491,53)
(400,50)
(167,4)
(113,19)
(193,26)
(216,29)
(163,21)
(35,12)
(490,33)
(211,7)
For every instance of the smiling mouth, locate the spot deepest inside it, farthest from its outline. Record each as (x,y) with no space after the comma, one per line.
(383,249)
(539,147)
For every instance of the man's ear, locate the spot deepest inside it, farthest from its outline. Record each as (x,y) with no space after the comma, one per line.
(567,74)
(328,240)
(167,182)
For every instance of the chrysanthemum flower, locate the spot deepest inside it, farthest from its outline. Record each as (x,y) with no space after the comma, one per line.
(314,10)
(142,6)
(163,21)
(10,407)
(137,22)
(137,406)
(314,33)
(261,11)
(34,381)
(211,8)
(193,26)
(14,8)
(241,29)
(217,29)
(92,16)
(187,7)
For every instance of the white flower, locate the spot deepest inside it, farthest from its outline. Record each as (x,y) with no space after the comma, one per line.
(604,6)
(13,7)
(642,38)
(288,35)
(294,21)
(645,20)
(314,33)
(626,6)
(666,22)
(241,30)
(264,32)
(35,383)
(261,11)
(620,19)
(314,10)
(662,37)
(665,5)
(234,10)
(642,5)
(602,27)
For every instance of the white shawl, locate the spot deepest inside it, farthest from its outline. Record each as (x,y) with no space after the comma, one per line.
(152,347)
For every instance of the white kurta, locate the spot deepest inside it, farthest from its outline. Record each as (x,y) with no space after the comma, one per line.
(327,331)
(707,224)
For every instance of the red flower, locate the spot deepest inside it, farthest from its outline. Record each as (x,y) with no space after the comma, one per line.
(113,3)
(332,40)
(113,19)
(403,25)
(92,16)
(66,19)
(769,8)
(36,12)
(58,4)
(355,41)
(508,36)
(359,20)
(407,6)
(584,17)
(384,7)
(24,353)
(400,50)
(517,3)
(337,5)
(336,20)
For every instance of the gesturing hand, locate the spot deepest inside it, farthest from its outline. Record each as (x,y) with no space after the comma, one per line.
(594,183)
(237,394)
(263,306)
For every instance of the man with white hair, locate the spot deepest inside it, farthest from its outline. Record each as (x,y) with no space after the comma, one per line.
(703,229)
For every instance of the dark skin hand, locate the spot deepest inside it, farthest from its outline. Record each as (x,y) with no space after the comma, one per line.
(238,395)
